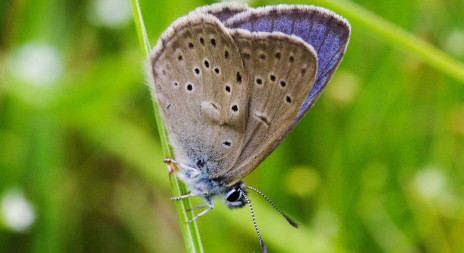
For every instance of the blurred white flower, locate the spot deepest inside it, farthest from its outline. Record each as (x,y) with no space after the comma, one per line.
(36,64)
(17,212)
(111,13)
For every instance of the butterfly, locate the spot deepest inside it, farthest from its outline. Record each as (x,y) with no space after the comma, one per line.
(231,83)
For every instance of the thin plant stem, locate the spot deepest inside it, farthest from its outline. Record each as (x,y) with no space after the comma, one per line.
(189,230)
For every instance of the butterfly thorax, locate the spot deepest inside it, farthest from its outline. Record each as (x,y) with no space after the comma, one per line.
(200,184)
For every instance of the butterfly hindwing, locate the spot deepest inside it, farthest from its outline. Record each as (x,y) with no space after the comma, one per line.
(281,71)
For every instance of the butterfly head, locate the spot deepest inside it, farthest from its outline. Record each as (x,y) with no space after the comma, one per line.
(235,196)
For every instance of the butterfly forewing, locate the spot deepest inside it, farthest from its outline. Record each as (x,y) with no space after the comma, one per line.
(281,71)
(324,30)
(200,82)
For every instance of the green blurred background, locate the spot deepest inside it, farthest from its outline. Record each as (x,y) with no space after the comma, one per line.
(376,166)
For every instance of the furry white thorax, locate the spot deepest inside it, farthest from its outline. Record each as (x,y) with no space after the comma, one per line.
(200,185)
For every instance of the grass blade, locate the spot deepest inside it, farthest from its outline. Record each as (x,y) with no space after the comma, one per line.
(189,230)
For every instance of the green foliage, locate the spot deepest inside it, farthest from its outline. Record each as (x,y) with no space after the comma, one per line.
(376,165)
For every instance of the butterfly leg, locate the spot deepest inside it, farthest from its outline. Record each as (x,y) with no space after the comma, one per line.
(182,197)
(211,206)
(197,207)
(203,194)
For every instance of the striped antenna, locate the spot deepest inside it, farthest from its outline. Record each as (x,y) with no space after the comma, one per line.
(275,207)
(263,246)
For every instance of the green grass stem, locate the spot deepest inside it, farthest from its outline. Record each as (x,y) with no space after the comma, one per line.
(189,230)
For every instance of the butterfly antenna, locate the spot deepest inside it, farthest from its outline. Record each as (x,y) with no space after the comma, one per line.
(263,246)
(293,223)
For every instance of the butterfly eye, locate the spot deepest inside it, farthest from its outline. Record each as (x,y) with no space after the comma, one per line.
(234,195)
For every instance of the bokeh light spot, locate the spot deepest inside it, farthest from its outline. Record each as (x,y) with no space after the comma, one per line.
(38,65)
(18,214)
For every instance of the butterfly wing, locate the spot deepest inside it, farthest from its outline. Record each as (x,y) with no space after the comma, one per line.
(199,82)
(282,70)
(324,30)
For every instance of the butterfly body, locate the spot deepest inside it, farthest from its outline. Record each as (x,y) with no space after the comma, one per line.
(231,82)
